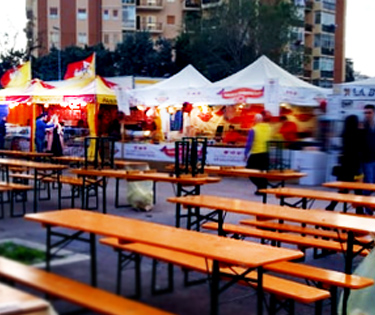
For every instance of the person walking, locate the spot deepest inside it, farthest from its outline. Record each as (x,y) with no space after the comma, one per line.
(256,150)
(350,168)
(369,148)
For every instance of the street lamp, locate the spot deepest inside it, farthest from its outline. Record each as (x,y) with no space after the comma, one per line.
(59,51)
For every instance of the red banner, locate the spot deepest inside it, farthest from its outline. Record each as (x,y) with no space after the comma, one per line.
(242,93)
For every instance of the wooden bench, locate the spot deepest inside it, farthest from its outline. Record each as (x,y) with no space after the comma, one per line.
(72,291)
(300,241)
(341,236)
(277,287)
(13,190)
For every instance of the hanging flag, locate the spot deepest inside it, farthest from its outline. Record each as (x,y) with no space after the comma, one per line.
(81,69)
(18,76)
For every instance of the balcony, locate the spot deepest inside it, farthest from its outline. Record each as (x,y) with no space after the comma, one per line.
(329,28)
(326,74)
(156,27)
(128,2)
(308,50)
(308,27)
(309,5)
(150,4)
(307,74)
(329,6)
(328,51)
(128,25)
(192,5)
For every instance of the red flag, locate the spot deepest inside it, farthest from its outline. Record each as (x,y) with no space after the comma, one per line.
(18,76)
(81,69)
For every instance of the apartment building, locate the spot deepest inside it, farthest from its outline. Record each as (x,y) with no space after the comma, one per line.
(62,23)
(323,37)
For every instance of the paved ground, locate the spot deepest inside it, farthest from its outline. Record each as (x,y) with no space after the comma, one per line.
(185,301)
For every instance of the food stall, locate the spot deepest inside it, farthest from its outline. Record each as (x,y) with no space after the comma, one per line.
(77,103)
(189,105)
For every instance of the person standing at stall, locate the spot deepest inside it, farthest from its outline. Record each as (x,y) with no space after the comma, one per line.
(256,150)
(57,138)
(3,131)
(40,131)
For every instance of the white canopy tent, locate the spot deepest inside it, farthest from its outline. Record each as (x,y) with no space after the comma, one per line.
(188,85)
(265,82)
(351,97)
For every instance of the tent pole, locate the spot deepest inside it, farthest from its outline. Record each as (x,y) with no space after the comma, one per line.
(32,131)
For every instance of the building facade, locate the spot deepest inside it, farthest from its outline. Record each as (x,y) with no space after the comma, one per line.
(323,36)
(61,23)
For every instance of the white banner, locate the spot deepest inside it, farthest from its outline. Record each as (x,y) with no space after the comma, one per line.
(166,153)
(272,97)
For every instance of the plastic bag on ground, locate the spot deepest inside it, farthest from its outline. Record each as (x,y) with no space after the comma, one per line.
(140,194)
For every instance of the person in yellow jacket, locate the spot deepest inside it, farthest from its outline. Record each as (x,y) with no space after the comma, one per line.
(256,150)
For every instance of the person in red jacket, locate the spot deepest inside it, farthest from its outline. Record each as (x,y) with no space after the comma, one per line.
(232,136)
(288,129)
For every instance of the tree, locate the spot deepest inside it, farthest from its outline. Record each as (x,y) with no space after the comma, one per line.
(139,55)
(349,70)
(234,34)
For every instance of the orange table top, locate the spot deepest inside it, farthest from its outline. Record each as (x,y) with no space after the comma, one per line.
(31,164)
(25,154)
(350,185)
(321,195)
(245,172)
(147,175)
(210,246)
(81,159)
(329,219)
(13,301)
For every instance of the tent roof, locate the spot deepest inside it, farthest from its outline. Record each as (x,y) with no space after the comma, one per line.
(366,82)
(261,70)
(189,77)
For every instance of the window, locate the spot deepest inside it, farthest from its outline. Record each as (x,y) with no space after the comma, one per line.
(82,38)
(106,39)
(128,17)
(324,40)
(115,14)
(82,14)
(55,38)
(53,13)
(106,15)
(171,20)
(323,63)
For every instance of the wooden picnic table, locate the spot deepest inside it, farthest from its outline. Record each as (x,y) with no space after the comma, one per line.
(79,160)
(221,250)
(350,185)
(272,175)
(353,224)
(312,194)
(24,154)
(17,302)
(41,170)
(150,175)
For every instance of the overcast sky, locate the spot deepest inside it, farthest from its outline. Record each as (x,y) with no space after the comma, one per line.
(360,25)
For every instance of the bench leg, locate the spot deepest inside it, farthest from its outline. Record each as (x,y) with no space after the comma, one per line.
(169,288)
(333,291)
(2,205)
(122,261)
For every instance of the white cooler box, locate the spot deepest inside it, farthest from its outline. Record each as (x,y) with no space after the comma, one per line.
(313,163)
